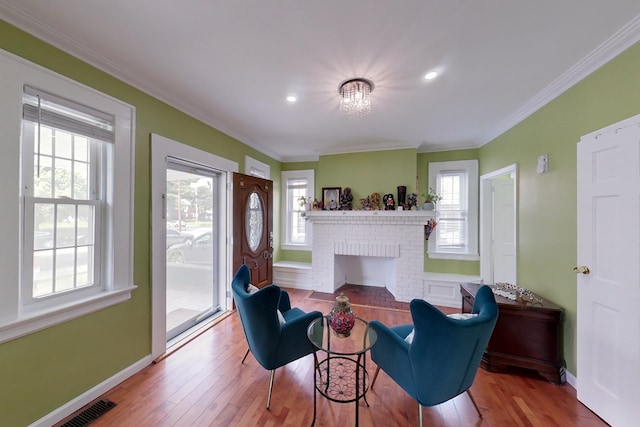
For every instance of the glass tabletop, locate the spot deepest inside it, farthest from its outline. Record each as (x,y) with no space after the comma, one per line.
(361,338)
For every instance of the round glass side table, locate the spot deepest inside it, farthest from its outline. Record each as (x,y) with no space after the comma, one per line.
(342,375)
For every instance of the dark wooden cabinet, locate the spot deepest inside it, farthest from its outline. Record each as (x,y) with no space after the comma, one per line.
(527,335)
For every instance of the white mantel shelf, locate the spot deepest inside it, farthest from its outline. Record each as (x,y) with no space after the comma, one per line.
(376,216)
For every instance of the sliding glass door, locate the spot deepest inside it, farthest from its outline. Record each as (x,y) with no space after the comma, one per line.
(192,243)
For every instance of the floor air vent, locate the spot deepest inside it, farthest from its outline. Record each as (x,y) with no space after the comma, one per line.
(89,414)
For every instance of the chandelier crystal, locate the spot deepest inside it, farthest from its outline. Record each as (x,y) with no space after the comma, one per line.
(355,97)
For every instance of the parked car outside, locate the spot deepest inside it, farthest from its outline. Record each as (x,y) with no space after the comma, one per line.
(200,251)
(175,237)
(42,240)
(179,225)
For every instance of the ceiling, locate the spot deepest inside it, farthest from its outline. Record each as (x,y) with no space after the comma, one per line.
(232,63)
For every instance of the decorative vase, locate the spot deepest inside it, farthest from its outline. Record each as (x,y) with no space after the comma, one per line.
(341,318)
(428,206)
(402,195)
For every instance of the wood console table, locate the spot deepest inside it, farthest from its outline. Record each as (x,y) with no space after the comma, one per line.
(527,335)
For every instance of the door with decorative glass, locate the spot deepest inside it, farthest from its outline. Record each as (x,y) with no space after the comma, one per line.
(253,227)
(192,245)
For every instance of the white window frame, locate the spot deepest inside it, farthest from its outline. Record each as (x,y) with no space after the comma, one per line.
(309,176)
(100,153)
(17,318)
(470,167)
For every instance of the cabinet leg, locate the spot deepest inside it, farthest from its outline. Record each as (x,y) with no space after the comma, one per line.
(557,378)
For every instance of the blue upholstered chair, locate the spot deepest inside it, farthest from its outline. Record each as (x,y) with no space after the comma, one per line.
(442,360)
(272,343)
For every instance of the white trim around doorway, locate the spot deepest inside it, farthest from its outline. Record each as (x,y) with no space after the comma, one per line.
(161,150)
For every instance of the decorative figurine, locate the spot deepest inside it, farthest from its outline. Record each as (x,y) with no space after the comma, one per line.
(375,202)
(365,204)
(412,201)
(345,200)
(389,202)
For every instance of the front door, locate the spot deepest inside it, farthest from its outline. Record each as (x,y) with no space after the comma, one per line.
(253,227)
(608,285)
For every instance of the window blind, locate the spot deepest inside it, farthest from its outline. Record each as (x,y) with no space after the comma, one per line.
(51,110)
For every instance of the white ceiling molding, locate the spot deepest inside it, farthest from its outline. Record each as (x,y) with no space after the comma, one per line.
(615,45)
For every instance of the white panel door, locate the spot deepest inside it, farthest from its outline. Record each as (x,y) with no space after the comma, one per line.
(504,230)
(608,329)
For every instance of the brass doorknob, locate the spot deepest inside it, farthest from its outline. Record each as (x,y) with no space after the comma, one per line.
(583,269)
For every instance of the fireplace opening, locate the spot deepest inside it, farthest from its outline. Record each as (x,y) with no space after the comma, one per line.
(365,270)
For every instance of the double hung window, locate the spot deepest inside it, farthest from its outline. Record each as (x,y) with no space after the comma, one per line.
(65,147)
(456,233)
(297,188)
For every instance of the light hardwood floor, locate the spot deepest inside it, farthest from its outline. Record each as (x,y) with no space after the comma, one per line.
(204,384)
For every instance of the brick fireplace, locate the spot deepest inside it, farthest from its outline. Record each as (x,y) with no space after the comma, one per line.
(384,248)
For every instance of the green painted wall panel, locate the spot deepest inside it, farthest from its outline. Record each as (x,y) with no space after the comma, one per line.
(369,172)
(298,256)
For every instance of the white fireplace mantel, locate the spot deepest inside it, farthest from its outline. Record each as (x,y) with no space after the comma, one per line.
(375,216)
(392,237)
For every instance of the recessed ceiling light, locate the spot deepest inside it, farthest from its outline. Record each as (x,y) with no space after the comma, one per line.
(291,98)
(431,75)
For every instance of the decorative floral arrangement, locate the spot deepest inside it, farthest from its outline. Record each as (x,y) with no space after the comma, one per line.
(428,228)
(431,196)
(304,200)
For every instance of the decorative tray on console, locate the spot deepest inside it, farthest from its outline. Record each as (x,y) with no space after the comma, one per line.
(515,293)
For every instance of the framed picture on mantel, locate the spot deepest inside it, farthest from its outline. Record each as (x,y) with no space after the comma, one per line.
(331,198)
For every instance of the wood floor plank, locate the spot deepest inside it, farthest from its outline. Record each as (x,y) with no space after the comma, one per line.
(204,384)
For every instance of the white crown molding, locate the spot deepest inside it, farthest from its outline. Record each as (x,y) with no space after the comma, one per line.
(291,159)
(45,32)
(432,148)
(624,38)
(365,149)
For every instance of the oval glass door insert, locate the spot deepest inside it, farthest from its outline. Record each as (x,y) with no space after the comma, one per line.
(253,224)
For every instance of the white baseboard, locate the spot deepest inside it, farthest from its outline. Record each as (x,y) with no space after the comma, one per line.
(92,394)
(571,380)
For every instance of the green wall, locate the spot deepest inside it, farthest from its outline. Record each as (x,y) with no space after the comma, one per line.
(369,172)
(547,219)
(44,370)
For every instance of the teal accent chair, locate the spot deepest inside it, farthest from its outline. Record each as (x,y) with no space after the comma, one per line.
(444,356)
(272,343)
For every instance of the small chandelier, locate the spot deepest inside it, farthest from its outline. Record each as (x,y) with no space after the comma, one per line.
(355,97)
